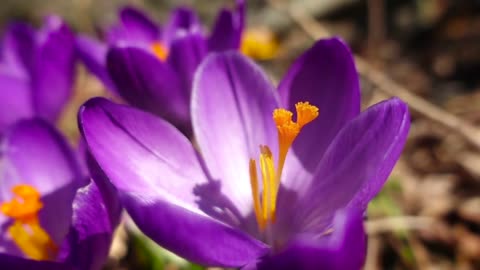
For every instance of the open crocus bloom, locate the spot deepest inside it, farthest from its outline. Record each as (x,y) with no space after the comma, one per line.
(36,71)
(265,190)
(51,217)
(152,68)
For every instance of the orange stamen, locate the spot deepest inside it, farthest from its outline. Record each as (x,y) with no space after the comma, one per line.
(159,50)
(26,231)
(288,131)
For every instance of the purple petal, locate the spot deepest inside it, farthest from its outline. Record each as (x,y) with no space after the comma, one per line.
(228,28)
(108,193)
(134,28)
(53,71)
(182,21)
(185,55)
(96,214)
(156,183)
(344,248)
(146,82)
(46,163)
(196,237)
(9,262)
(232,107)
(18,50)
(325,76)
(136,21)
(155,150)
(93,53)
(356,164)
(15,100)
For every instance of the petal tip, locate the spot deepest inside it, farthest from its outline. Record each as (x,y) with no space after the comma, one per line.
(89,105)
(331,44)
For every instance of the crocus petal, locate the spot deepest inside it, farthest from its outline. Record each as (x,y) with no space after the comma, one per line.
(96,214)
(185,55)
(46,163)
(228,28)
(9,262)
(134,27)
(325,76)
(15,100)
(7,246)
(106,190)
(356,164)
(230,137)
(18,48)
(196,237)
(146,82)
(154,149)
(156,175)
(182,21)
(93,53)
(53,71)
(344,248)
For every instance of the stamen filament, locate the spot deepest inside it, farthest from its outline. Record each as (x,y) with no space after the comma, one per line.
(288,131)
(266,187)
(32,240)
(255,193)
(271,181)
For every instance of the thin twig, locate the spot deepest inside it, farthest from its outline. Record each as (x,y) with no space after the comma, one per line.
(376,26)
(416,103)
(389,224)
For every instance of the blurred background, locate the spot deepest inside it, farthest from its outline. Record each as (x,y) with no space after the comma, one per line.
(427,52)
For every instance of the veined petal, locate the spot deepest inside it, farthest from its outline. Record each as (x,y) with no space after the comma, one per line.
(15,100)
(152,150)
(159,179)
(356,164)
(343,248)
(134,27)
(93,53)
(53,70)
(46,163)
(228,28)
(193,236)
(232,107)
(325,76)
(147,83)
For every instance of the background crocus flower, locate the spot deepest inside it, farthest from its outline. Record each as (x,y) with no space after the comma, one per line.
(36,71)
(51,217)
(260,44)
(213,208)
(151,67)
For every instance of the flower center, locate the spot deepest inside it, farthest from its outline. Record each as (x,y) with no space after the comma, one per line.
(264,205)
(160,50)
(26,231)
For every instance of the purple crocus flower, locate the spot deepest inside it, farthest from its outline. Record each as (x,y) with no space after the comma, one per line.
(51,217)
(151,67)
(211,207)
(36,71)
